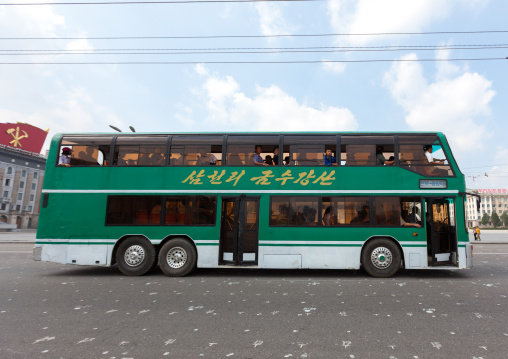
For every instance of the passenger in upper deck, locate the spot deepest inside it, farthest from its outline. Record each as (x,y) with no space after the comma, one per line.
(257,159)
(275,158)
(205,158)
(329,159)
(428,154)
(65,158)
(157,158)
(380,158)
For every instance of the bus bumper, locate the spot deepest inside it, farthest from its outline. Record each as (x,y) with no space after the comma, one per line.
(469,255)
(37,253)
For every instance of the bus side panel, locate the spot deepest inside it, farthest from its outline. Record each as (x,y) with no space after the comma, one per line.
(208,256)
(309,257)
(415,257)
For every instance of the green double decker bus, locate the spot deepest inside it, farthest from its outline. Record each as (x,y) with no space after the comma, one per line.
(323,200)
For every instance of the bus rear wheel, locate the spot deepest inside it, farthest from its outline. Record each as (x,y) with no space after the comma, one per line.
(135,256)
(177,258)
(381,258)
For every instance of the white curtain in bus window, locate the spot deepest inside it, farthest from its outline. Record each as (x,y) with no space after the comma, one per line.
(241,149)
(196,150)
(87,150)
(423,154)
(141,150)
(310,150)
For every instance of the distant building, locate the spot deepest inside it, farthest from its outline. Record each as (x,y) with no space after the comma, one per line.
(492,200)
(21,176)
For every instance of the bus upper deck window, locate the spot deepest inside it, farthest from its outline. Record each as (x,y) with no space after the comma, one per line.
(415,151)
(141,150)
(367,150)
(196,150)
(241,150)
(87,150)
(310,150)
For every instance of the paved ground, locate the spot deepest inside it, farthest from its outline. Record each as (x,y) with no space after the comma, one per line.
(62,311)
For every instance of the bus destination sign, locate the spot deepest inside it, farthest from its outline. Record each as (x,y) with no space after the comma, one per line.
(433,184)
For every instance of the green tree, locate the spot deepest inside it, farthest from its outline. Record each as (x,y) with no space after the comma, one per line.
(485,219)
(496,222)
(504,218)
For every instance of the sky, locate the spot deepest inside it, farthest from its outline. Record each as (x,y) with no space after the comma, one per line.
(178,68)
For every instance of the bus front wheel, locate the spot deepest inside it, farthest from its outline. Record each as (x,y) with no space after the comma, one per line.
(381,258)
(135,256)
(177,258)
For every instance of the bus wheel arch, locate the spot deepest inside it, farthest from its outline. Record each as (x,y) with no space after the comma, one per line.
(178,256)
(134,254)
(381,256)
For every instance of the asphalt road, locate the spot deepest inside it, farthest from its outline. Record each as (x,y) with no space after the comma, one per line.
(62,311)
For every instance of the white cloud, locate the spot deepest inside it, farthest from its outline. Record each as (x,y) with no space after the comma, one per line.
(453,104)
(77,111)
(334,67)
(38,21)
(271,20)
(80,45)
(374,16)
(271,109)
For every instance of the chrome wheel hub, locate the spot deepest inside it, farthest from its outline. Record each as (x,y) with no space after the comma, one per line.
(381,258)
(176,257)
(134,256)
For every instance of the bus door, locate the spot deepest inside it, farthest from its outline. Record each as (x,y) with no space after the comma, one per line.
(441,232)
(239,231)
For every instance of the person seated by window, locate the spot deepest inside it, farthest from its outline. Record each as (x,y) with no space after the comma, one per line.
(329,159)
(430,159)
(282,218)
(407,224)
(257,159)
(89,159)
(205,158)
(276,156)
(413,216)
(328,218)
(65,158)
(433,171)
(286,161)
(298,217)
(380,158)
(362,216)
(268,160)
(144,160)
(157,158)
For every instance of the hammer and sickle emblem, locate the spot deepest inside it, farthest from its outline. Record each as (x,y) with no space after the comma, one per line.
(16,137)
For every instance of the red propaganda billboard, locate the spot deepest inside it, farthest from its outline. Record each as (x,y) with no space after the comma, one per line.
(23,136)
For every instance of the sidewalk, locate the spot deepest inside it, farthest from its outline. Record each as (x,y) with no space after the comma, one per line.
(18,237)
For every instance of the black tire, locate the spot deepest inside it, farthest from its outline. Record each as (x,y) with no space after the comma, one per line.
(381,258)
(135,256)
(177,258)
